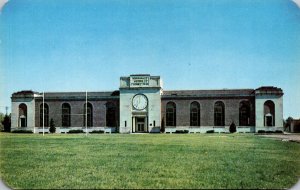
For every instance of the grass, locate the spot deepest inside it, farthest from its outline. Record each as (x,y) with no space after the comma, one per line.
(147,161)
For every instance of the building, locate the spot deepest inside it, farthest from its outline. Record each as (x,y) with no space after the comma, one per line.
(295,126)
(141,105)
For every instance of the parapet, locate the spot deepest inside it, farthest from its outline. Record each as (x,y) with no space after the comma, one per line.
(268,90)
(25,94)
(140,81)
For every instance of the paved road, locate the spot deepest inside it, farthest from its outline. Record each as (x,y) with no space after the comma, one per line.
(285,137)
(3,186)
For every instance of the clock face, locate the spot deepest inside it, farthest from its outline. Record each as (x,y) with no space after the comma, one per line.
(139,102)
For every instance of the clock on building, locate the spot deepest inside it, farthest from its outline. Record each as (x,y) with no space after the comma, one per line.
(139,102)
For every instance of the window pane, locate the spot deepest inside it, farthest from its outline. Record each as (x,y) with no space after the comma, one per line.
(170,114)
(88,111)
(244,114)
(66,115)
(219,114)
(111,115)
(195,114)
(45,109)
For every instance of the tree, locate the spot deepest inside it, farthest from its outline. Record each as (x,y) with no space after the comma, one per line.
(288,122)
(1,119)
(6,123)
(52,128)
(232,128)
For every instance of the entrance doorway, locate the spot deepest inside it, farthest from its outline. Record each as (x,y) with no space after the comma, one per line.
(269,120)
(23,121)
(140,124)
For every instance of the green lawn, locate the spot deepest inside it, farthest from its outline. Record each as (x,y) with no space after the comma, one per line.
(148,161)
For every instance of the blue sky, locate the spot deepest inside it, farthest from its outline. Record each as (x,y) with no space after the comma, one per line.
(77,45)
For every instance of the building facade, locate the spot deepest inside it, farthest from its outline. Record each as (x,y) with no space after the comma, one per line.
(142,106)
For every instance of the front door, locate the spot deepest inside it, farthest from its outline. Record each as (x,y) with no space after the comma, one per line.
(140,124)
(23,122)
(269,120)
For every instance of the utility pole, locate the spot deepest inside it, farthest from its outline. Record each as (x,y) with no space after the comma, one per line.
(6,108)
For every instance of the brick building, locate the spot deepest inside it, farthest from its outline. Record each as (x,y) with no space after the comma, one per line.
(141,105)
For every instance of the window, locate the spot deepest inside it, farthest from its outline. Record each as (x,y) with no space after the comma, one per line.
(66,115)
(111,114)
(244,116)
(44,107)
(195,114)
(219,110)
(88,111)
(171,114)
(269,113)
(22,115)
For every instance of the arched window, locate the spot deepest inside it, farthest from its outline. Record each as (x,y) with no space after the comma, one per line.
(244,111)
(66,115)
(46,115)
(171,114)
(111,119)
(195,114)
(269,113)
(88,111)
(22,115)
(219,110)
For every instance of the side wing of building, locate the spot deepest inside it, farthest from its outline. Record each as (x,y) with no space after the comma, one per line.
(68,110)
(250,110)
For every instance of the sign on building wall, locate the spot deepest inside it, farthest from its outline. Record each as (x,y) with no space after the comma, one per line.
(139,81)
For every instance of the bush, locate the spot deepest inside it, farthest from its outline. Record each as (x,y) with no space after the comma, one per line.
(270,132)
(162,128)
(52,128)
(232,128)
(42,132)
(76,131)
(99,131)
(22,131)
(182,131)
(210,131)
(278,131)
